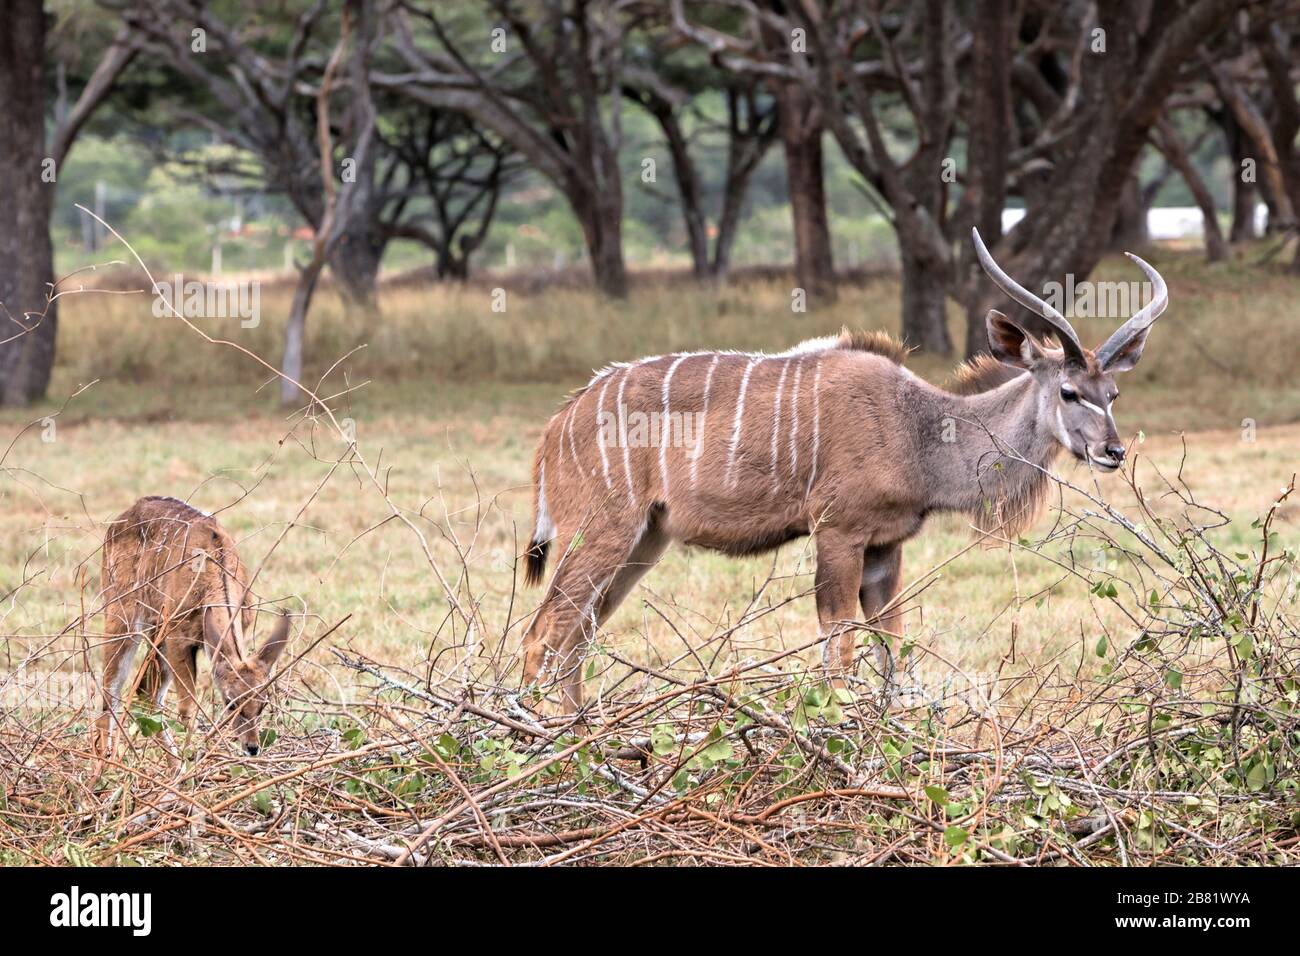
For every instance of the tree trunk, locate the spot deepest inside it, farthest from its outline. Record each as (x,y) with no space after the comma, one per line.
(1244,194)
(925,317)
(748,141)
(1268,164)
(295,332)
(1068,229)
(986,172)
(602,228)
(1216,250)
(354,263)
(1130,230)
(801,135)
(733,200)
(688,186)
(1244,201)
(605,244)
(26,254)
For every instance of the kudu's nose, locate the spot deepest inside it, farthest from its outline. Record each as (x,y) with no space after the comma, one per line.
(1115,450)
(251,749)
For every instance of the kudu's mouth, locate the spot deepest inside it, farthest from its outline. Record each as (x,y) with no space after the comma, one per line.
(1103,463)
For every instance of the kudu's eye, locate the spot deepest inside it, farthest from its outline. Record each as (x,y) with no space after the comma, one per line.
(1068,394)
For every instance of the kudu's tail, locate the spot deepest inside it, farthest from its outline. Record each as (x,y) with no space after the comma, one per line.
(543,527)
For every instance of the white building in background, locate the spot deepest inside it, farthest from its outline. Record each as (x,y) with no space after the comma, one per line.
(1166,222)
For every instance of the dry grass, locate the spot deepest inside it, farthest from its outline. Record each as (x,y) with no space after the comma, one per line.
(456,396)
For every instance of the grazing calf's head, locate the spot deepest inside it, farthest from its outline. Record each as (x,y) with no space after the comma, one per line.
(245,683)
(1076,386)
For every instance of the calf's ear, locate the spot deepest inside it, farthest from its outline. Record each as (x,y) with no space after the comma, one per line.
(270,652)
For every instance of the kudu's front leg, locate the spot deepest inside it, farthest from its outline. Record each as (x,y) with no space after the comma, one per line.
(838,580)
(882,568)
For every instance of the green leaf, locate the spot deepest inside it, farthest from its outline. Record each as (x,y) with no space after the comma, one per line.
(75,855)
(716,746)
(148,725)
(719,750)
(817,696)
(262,801)
(937,794)
(412,783)
(1174,678)
(954,836)
(661,740)
(1101,646)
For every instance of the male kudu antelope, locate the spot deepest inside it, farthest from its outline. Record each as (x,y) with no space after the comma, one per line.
(834,438)
(172,576)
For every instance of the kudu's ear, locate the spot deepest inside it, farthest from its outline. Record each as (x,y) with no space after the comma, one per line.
(1121,351)
(219,636)
(1009,343)
(270,652)
(1126,353)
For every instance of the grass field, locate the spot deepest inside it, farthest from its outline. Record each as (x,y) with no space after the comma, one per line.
(450,397)
(446,401)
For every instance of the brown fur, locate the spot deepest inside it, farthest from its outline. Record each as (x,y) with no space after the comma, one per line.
(789,443)
(173,581)
(741,452)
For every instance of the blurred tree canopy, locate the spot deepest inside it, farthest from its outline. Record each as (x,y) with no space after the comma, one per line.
(534,134)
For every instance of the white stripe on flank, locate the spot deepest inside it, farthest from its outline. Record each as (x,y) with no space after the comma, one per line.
(794,418)
(704,418)
(817,426)
(664,427)
(600,437)
(776,424)
(568,427)
(807,347)
(622,437)
(735,425)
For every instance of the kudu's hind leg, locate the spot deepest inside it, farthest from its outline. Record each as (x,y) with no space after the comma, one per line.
(589,582)
(838,580)
(881,572)
(121,637)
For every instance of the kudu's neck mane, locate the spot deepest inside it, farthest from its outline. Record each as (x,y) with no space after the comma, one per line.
(985,452)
